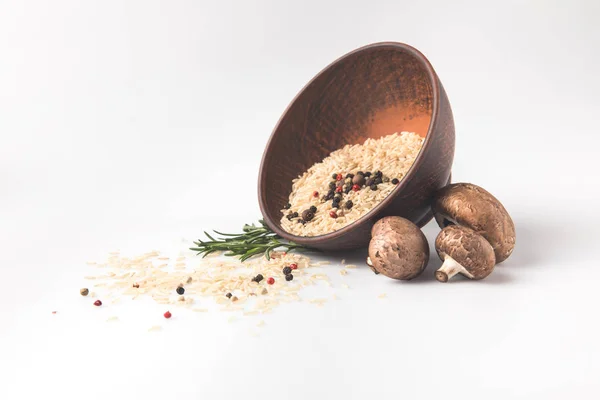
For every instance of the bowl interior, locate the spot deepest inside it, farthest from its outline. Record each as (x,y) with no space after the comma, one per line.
(369,93)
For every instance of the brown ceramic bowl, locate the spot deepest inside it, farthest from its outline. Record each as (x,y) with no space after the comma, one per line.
(370,92)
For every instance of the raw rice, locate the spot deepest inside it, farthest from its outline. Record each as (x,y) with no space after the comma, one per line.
(393,155)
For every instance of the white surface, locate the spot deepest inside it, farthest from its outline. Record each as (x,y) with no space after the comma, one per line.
(117,118)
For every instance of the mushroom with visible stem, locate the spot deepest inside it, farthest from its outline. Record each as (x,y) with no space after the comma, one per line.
(398,249)
(469,205)
(464,252)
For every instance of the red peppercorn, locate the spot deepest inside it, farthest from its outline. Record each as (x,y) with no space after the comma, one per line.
(339,177)
(294,266)
(97,303)
(339,189)
(315,194)
(356,188)
(271,280)
(167,314)
(333,214)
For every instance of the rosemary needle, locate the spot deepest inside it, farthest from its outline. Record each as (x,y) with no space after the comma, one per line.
(255,240)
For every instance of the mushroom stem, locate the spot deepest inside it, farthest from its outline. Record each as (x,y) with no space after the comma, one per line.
(370,264)
(450,268)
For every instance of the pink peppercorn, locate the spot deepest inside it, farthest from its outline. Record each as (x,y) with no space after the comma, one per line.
(294,266)
(167,315)
(315,194)
(271,280)
(333,214)
(356,188)
(97,303)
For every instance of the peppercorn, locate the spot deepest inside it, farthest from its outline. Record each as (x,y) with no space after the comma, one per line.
(180,290)
(377,180)
(258,278)
(295,214)
(228,295)
(358,179)
(356,188)
(349,204)
(289,277)
(350,176)
(167,315)
(334,176)
(97,303)
(339,177)
(294,266)
(315,194)
(369,181)
(378,174)
(339,189)
(288,206)
(360,173)
(395,181)
(347,189)
(313,209)
(373,187)
(367,174)
(337,197)
(301,221)
(348,180)
(333,214)
(307,215)
(287,270)
(271,280)
(84,291)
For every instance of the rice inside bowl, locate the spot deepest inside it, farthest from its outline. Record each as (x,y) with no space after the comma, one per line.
(393,155)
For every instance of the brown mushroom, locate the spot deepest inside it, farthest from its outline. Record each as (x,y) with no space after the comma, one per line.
(469,205)
(463,252)
(398,249)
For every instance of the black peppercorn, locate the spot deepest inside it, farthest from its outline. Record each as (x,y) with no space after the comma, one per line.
(349,176)
(287,270)
(313,209)
(377,180)
(347,189)
(289,277)
(369,181)
(332,185)
(367,174)
(378,174)
(228,295)
(360,173)
(287,206)
(334,176)
(258,278)
(358,179)
(295,215)
(180,290)
(349,204)
(373,187)
(395,181)
(307,215)
(301,221)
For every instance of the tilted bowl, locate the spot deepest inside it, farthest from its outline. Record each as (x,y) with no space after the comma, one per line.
(370,92)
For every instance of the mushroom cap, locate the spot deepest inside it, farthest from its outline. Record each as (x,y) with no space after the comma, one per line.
(392,223)
(400,251)
(471,206)
(467,248)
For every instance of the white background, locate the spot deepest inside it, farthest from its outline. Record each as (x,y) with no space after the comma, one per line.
(120,121)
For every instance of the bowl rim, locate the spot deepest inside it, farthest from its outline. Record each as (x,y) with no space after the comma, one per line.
(311,241)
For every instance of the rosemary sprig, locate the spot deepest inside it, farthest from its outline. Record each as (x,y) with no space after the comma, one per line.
(254,240)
